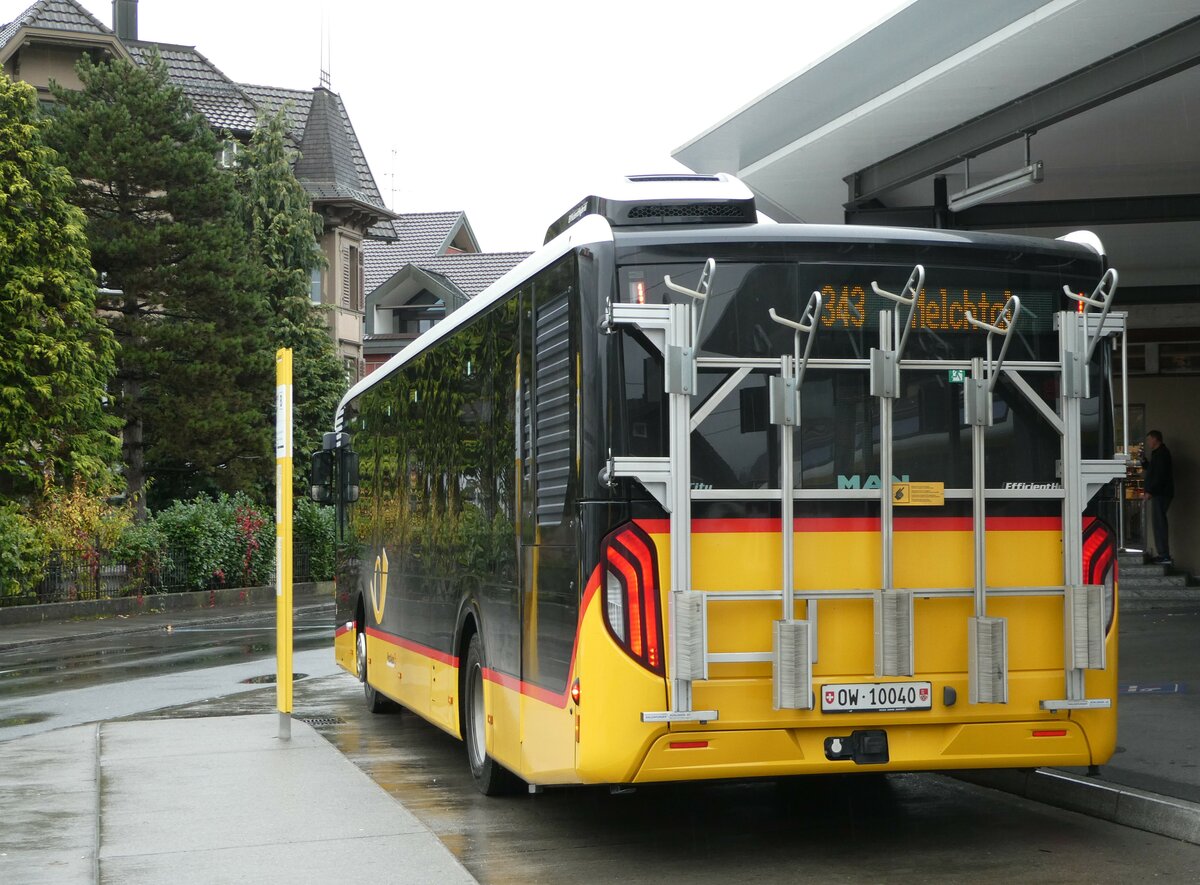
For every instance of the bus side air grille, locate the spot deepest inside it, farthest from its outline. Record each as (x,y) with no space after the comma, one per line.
(987,648)
(552,418)
(792,665)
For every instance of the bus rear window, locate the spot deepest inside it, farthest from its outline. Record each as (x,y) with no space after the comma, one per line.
(737,323)
(734,446)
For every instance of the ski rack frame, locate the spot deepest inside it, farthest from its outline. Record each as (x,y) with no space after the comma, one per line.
(893,608)
(987,638)
(674,330)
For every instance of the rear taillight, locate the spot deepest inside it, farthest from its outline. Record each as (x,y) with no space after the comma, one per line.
(632,610)
(1100,564)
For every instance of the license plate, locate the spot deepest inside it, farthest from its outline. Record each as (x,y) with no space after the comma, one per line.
(876,697)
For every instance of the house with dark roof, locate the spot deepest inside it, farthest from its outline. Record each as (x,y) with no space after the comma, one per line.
(431,268)
(385,273)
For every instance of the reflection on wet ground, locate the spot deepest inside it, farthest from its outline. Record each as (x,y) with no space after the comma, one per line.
(27,671)
(24,719)
(839,828)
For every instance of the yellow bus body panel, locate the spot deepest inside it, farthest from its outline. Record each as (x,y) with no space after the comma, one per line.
(344,638)
(777,742)
(548,739)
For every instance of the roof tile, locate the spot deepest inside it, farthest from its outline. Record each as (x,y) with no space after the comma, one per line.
(472,272)
(213,94)
(57,15)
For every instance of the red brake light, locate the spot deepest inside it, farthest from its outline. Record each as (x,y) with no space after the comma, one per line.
(575,692)
(631,606)
(1100,560)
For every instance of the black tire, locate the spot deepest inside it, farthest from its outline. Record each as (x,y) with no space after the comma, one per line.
(376,702)
(492,778)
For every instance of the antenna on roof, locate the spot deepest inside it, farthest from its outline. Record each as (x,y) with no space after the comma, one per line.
(326,51)
(392,204)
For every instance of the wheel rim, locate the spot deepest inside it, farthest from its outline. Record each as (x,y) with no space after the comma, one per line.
(477,743)
(360,656)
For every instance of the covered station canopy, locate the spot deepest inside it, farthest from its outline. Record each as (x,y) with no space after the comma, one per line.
(1065,115)
(1100,99)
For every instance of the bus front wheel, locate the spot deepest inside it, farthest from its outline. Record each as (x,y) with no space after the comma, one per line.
(492,778)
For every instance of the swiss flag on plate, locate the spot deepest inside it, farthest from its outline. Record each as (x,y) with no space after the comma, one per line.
(829,697)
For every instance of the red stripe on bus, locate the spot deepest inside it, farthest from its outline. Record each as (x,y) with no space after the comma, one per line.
(859,524)
(545,695)
(424,650)
(512,683)
(345,628)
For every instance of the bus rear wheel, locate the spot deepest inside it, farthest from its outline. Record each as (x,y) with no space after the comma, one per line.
(492,778)
(376,702)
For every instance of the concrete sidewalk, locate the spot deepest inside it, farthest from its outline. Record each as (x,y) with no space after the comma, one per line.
(217,800)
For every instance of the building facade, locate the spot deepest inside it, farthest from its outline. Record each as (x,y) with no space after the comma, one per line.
(45,42)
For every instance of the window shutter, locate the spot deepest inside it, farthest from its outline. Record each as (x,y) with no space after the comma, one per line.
(346,278)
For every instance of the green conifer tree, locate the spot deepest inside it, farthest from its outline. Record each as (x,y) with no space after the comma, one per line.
(57,356)
(164,224)
(283,232)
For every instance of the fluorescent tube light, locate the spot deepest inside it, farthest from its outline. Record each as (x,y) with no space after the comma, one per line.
(996,187)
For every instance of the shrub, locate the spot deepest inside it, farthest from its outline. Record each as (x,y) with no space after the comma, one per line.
(77,521)
(22,553)
(312,531)
(227,541)
(141,548)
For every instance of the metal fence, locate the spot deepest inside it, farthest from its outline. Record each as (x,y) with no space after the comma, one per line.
(70,576)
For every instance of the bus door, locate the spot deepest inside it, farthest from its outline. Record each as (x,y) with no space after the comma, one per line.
(549,552)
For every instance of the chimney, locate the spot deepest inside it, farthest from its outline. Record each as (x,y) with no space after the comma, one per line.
(125,19)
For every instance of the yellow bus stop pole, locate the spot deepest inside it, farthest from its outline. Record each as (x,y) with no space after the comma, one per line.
(283,540)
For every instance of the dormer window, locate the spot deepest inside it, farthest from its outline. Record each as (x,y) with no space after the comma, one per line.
(230,149)
(418,315)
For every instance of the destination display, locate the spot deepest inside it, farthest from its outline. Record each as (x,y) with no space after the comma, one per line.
(942,309)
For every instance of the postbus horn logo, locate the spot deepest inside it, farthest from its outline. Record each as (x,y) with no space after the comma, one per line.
(379,586)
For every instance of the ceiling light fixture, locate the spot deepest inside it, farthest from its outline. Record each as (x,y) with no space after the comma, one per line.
(996,187)
(1030,173)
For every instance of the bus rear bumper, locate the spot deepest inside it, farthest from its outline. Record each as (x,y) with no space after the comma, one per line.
(699,754)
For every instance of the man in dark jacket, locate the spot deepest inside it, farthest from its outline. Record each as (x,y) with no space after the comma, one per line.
(1159,490)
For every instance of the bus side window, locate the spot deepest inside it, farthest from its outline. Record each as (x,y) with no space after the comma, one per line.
(645,419)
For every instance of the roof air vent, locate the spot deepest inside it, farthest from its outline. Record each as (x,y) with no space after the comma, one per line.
(640,200)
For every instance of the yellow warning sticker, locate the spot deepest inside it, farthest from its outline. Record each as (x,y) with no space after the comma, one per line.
(918,494)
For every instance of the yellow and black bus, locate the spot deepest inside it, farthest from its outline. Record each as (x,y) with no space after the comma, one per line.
(688,494)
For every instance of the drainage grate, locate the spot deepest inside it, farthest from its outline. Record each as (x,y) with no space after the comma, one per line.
(321,721)
(269,679)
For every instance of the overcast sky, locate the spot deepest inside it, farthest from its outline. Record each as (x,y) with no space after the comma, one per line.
(512,111)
